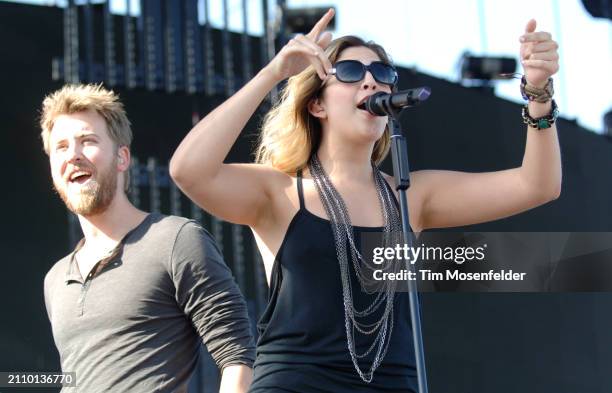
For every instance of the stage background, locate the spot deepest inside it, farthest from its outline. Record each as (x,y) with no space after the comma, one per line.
(475,343)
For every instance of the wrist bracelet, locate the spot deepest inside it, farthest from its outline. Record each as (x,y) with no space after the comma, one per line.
(536,94)
(544,122)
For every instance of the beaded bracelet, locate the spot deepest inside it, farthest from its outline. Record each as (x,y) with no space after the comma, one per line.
(544,122)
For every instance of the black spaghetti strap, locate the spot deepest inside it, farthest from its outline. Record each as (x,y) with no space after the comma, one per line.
(392,193)
(300,189)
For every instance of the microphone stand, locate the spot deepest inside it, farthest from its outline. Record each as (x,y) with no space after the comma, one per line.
(399,155)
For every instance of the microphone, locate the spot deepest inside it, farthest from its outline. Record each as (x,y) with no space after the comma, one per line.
(380,104)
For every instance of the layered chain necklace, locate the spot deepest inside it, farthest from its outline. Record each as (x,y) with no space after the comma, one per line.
(345,244)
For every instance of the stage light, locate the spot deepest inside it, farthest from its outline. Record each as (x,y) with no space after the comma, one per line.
(484,68)
(302,20)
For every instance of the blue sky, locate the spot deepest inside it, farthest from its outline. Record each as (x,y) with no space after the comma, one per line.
(432,35)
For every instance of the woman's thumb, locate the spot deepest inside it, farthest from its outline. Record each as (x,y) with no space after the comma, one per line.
(324,39)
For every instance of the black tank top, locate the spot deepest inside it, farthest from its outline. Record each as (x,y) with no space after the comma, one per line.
(302,344)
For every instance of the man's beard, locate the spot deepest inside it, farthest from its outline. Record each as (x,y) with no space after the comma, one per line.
(93,198)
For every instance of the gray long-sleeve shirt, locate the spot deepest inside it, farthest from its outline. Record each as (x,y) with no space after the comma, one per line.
(136,324)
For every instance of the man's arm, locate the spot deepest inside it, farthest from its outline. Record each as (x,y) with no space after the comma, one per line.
(236,378)
(47,284)
(209,296)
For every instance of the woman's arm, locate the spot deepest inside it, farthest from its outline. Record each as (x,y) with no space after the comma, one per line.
(234,192)
(239,192)
(458,198)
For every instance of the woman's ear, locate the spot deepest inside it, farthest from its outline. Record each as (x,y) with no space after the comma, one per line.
(316,108)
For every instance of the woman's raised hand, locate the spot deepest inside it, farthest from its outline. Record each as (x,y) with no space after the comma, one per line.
(539,55)
(304,50)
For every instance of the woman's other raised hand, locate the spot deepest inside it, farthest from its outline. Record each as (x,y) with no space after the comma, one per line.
(304,50)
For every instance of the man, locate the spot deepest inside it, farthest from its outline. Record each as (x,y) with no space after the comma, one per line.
(128,306)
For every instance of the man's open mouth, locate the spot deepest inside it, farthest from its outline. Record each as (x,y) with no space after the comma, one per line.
(79,177)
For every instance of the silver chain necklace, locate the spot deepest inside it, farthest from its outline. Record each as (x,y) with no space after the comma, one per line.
(345,243)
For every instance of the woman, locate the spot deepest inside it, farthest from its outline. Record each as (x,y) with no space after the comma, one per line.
(317,161)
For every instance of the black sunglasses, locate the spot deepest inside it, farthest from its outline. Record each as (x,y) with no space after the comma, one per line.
(350,71)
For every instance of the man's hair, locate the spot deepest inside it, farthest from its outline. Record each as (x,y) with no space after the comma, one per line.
(79,98)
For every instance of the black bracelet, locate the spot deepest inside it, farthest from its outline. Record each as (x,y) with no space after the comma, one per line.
(544,122)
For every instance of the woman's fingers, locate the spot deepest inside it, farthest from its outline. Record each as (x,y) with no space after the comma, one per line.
(299,47)
(539,47)
(531,26)
(321,25)
(539,54)
(536,36)
(324,40)
(316,51)
(304,49)
(551,66)
(544,46)
(543,56)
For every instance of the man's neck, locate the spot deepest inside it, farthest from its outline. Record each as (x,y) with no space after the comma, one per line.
(103,231)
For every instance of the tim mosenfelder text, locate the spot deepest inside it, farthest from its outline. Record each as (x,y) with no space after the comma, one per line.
(458,255)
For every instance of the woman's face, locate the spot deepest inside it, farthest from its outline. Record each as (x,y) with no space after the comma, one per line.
(340,101)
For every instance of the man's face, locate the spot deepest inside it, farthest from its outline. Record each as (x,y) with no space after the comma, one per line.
(83,162)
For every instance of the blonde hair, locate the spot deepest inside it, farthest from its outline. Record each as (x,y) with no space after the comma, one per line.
(290,134)
(79,98)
